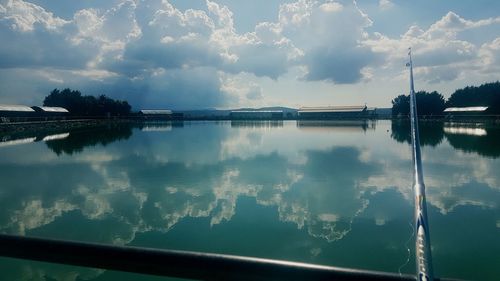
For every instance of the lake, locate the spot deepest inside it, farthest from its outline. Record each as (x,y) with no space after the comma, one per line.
(333,193)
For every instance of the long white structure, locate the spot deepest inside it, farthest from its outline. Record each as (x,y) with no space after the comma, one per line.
(466,109)
(335,112)
(15,108)
(347,108)
(50,109)
(155,112)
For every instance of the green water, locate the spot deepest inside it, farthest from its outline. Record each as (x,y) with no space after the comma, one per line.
(333,193)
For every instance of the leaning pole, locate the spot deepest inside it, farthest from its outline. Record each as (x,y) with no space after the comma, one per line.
(423,254)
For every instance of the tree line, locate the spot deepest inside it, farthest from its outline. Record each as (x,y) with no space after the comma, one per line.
(80,105)
(434,103)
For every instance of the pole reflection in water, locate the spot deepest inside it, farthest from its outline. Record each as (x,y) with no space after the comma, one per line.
(289,193)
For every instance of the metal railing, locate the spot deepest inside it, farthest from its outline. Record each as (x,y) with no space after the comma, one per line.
(180,264)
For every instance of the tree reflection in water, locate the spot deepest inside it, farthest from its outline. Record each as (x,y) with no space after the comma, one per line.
(305,193)
(480,138)
(78,139)
(484,143)
(431,132)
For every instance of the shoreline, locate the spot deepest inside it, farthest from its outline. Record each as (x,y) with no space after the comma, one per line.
(58,125)
(40,129)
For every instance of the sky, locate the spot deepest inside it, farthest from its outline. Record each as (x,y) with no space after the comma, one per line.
(223,54)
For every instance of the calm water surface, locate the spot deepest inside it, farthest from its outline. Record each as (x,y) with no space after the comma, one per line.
(334,193)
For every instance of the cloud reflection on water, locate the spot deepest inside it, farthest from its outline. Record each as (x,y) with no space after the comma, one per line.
(197,187)
(319,180)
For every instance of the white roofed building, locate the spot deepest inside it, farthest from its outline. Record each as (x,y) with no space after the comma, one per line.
(466,109)
(156,114)
(333,112)
(15,108)
(465,112)
(50,109)
(9,111)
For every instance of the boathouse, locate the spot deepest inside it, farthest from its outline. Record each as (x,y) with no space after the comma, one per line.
(50,111)
(335,112)
(472,110)
(14,110)
(15,113)
(156,114)
(461,113)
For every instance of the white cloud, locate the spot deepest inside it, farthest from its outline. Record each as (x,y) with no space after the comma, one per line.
(329,42)
(490,57)
(331,7)
(25,15)
(385,4)
(452,23)
(88,22)
(38,39)
(296,13)
(135,42)
(119,23)
(242,90)
(441,53)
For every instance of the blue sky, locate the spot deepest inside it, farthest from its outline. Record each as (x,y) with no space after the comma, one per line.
(226,54)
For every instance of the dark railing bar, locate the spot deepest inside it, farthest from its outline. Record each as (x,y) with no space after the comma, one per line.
(181,264)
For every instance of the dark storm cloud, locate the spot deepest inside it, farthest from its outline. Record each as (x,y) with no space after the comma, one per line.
(341,66)
(261,60)
(142,55)
(42,47)
(173,88)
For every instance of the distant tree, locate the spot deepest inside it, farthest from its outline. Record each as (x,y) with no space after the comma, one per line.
(86,105)
(432,103)
(401,105)
(427,104)
(485,95)
(66,98)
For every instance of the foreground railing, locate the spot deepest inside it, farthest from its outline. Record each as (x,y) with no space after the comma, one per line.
(180,264)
